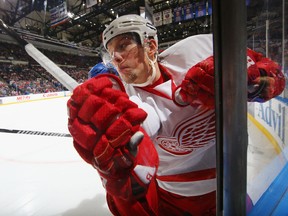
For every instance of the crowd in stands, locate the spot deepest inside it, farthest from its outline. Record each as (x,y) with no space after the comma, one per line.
(21,75)
(26,79)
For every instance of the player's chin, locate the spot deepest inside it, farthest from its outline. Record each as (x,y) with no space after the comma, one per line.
(128,78)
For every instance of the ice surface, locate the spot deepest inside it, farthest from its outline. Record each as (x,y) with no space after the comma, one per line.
(44,175)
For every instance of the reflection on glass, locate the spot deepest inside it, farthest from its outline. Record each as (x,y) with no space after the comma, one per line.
(267,170)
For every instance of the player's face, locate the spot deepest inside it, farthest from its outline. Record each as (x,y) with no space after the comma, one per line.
(129,58)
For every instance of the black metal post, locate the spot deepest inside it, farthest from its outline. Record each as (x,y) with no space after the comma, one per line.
(229,29)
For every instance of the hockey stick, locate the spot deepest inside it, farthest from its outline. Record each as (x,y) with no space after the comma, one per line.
(39,57)
(29,132)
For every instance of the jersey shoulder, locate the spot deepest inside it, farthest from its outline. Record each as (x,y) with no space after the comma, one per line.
(186,53)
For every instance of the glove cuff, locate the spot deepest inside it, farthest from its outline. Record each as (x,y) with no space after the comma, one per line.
(117,83)
(256,95)
(177,98)
(132,186)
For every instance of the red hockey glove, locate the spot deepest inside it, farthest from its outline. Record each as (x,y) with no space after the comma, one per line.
(197,87)
(102,120)
(265,79)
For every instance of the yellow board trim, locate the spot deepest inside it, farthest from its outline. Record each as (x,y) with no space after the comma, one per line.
(266,133)
(33,100)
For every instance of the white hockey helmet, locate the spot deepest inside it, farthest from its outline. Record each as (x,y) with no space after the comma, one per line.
(131,23)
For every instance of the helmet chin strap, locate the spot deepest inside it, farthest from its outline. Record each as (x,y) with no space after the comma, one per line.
(151,78)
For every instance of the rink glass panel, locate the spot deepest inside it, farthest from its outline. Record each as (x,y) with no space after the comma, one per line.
(267,169)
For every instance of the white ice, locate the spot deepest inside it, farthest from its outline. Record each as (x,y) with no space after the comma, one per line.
(44,175)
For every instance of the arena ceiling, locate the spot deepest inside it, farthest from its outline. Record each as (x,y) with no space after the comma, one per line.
(87,23)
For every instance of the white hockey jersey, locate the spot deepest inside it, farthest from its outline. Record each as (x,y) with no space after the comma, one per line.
(184,136)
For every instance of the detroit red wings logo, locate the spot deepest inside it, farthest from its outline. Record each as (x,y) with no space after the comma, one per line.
(191,134)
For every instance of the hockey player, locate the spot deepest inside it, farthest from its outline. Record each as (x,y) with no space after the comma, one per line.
(169,98)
